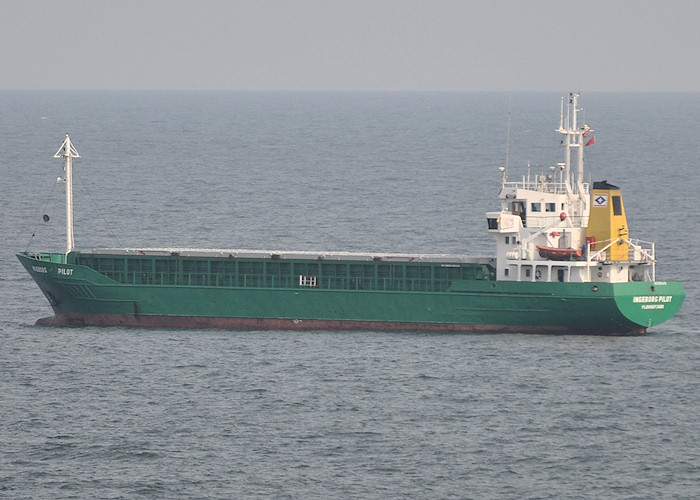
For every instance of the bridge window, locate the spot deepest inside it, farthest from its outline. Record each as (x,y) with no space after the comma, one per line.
(519,209)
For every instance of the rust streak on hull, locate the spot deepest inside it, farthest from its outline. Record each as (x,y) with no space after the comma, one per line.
(221,323)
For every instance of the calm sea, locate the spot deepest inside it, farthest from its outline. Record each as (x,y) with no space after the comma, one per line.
(118,413)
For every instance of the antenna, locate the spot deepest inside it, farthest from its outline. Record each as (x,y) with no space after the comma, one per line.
(68,151)
(510,105)
(561,115)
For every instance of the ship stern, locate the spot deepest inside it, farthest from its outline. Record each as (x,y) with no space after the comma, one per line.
(649,303)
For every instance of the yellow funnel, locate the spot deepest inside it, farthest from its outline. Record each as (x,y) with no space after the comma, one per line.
(608,221)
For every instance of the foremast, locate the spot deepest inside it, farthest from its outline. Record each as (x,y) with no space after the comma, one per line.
(68,152)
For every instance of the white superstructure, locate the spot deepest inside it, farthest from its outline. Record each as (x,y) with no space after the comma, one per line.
(541,231)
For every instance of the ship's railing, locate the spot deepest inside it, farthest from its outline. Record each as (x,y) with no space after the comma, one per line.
(543,184)
(55,258)
(537,220)
(262,281)
(637,252)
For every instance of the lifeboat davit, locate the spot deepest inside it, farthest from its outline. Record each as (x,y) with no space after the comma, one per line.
(552,253)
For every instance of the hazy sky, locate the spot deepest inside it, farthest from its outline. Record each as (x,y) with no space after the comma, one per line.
(351,44)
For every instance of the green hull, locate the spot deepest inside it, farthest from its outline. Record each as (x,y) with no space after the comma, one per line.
(173,291)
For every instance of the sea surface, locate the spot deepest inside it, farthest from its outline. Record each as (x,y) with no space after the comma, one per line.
(123,413)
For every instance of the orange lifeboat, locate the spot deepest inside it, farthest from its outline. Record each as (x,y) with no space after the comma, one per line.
(552,253)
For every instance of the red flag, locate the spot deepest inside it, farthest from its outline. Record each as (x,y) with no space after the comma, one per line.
(588,138)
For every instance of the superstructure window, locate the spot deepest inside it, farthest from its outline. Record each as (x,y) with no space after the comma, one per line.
(536,207)
(519,209)
(550,207)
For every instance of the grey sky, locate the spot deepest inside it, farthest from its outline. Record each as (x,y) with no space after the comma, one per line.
(350,44)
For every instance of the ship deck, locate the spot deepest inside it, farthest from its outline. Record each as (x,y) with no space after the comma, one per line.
(239,253)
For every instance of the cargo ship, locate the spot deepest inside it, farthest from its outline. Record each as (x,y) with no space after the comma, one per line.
(565,263)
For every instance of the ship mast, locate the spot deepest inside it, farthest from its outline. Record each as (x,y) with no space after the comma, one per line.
(573,138)
(68,151)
